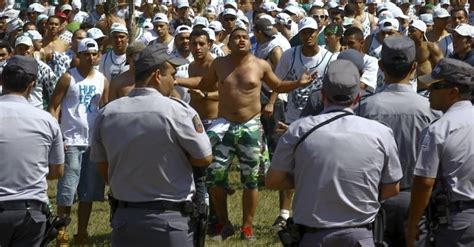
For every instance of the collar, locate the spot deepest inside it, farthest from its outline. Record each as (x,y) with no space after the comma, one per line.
(463,104)
(333,108)
(397,87)
(13,98)
(143,91)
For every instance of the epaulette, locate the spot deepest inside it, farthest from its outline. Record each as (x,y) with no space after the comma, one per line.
(179,101)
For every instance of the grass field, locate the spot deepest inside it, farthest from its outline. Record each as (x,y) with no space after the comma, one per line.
(99,228)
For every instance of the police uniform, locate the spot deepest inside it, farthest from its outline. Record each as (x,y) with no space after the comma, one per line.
(149,170)
(338,169)
(447,155)
(407,114)
(30,142)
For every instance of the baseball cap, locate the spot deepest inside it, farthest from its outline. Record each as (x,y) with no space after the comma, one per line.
(419,2)
(268,17)
(41,17)
(452,71)
(341,81)
(444,2)
(420,25)
(398,49)
(270,6)
(160,18)
(61,15)
(182,4)
(76,4)
(389,24)
(87,44)
(36,7)
(23,39)
(211,33)
(239,24)
(318,4)
(34,35)
(440,13)
(216,26)
(243,18)
(154,55)
(427,18)
(292,9)
(118,28)
(465,30)
(307,22)
(334,29)
(265,26)
(283,18)
(135,47)
(182,29)
(14,25)
(231,4)
(27,63)
(211,10)
(332,5)
(355,56)
(65,7)
(200,21)
(229,11)
(95,33)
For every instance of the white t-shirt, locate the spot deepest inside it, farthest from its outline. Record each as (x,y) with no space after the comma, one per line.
(112,65)
(369,75)
(182,72)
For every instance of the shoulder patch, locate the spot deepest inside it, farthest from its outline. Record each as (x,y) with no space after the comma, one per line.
(179,101)
(198,124)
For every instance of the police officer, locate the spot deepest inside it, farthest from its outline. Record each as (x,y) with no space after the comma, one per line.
(444,169)
(407,114)
(31,151)
(145,145)
(340,170)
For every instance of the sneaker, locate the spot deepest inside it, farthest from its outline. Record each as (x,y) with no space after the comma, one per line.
(62,240)
(246,233)
(223,231)
(279,224)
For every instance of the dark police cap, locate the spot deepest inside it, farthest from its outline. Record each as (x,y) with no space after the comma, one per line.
(341,81)
(152,56)
(354,56)
(398,49)
(28,64)
(451,71)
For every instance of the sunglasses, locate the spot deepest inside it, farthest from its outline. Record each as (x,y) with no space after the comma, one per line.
(230,18)
(440,85)
(318,16)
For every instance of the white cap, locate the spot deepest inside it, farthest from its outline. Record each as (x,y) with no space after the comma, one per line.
(389,24)
(292,9)
(307,22)
(76,4)
(160,18)
(465,30)
(167,2)
(199,20)
(244,19)
(268,17)
(87,44)
(211,10)
(34,35)
(385,15)
(444,2)
(182,29)
(36,7)
(147,25)
(318,3)
(95,33)
(230,3)
(440,13)
(229,11)
(420,25)
(14,25)
(65,7)
(23,39)
(419,2)
(118,28)
(283,18)
(427,18)
(371,1)
(212,35)
(40,18)
(270,6)
(398,13)
(216,26)
(241,24)
(332,5)
(182,4)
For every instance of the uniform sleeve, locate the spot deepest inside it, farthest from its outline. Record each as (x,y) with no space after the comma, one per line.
(98,153)
(56,153)
(191,135)
(284,156)
(392,170)
(428,158)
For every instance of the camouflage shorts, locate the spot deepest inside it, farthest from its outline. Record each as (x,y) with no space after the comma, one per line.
(244,140)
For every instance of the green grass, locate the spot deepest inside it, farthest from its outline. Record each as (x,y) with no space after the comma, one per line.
(267,210)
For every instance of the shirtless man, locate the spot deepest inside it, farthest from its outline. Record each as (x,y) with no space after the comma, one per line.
(427,53)
(125,82)
(51,41)
(439,34)
(367,20)
(238,78)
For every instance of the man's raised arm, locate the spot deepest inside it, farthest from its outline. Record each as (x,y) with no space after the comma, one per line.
(284,86)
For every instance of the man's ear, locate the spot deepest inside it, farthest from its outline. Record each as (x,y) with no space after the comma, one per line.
(156,78)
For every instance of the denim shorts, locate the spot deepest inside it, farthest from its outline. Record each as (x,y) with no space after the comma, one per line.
(81,176)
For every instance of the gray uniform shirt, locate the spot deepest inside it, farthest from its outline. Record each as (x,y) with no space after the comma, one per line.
(407,113)
(338,168)
(30,140)
(450,142)
(146,139)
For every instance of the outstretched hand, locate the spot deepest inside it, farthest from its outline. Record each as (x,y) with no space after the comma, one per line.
(307,77)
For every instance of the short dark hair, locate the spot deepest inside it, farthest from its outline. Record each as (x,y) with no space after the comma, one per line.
(182,21)
(4,44)
(349,9)
(354,31)
(25,27)
(200,32)
(459,9)
(397,70)
(336,11)
(15,79)
(86,25)
(141,77)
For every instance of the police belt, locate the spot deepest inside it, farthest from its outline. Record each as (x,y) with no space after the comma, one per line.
(459,206)
(185,207)
(307,229)
(23,205)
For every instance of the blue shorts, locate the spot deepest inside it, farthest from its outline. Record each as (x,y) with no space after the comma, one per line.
(81,176)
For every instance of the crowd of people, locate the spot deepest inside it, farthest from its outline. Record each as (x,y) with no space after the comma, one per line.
(351,110)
